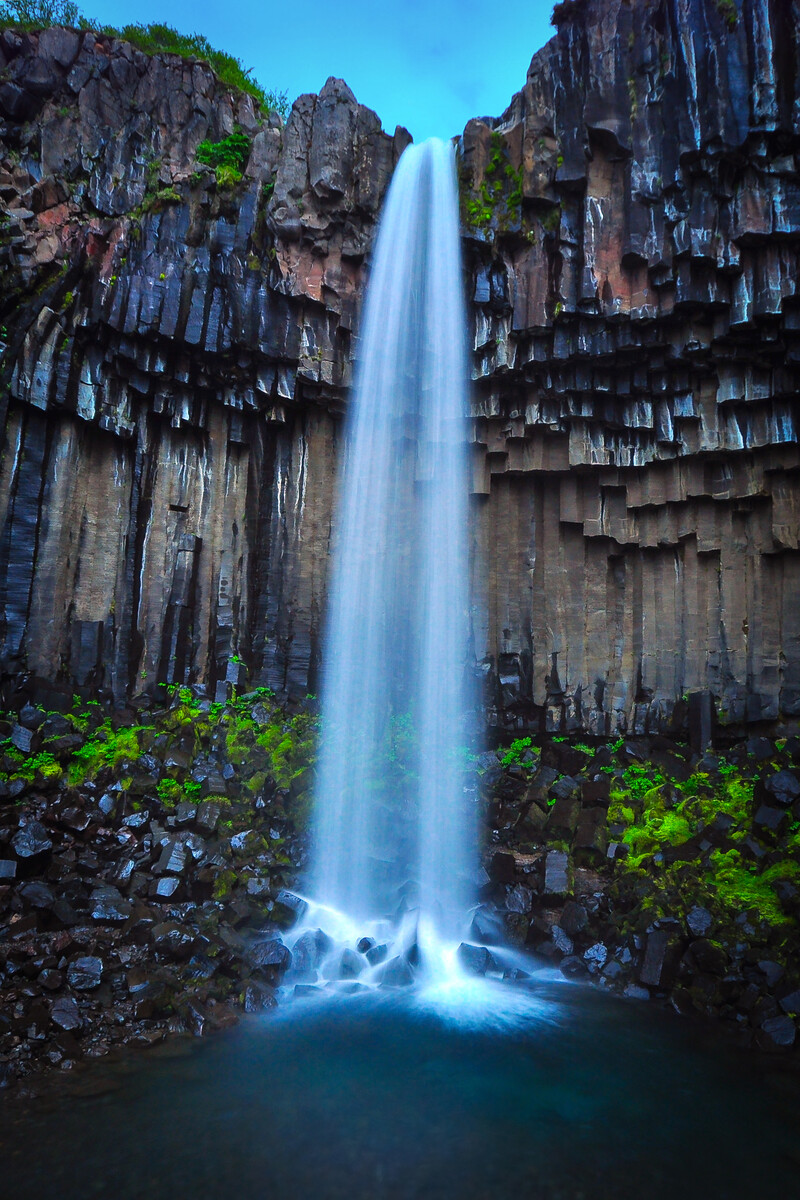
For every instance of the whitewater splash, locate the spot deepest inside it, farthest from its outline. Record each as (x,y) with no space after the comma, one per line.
(395,839)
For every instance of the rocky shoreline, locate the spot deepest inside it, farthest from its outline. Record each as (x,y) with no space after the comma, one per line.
(147,856)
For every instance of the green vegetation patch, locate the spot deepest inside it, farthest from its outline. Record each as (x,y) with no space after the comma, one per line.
(515,753)
(107,748)
(499,195)
(228,157)
(740,887)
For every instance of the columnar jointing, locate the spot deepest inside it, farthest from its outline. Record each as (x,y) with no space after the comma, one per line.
(178,358)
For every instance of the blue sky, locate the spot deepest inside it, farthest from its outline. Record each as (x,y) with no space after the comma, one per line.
(428,66)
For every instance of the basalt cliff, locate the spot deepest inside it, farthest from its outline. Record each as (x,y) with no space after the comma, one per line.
(177,353)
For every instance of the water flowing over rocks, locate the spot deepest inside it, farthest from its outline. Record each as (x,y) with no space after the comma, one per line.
(631,226)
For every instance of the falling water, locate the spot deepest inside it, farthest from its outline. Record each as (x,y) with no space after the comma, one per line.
(395,859)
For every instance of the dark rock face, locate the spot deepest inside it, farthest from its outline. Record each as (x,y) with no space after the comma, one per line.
(635,354)
(185,349)
(636,331)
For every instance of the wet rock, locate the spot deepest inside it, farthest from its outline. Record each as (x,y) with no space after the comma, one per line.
(784,787)
(37,894)
(573,967)
(590,842)
(65,1013)
(773,972)
(699,921)
(708,957)
(31,717)
(85,973)
(31,840)
(208,815)
(486,927)
(172,860)
(502,867)
(477,960)
(172,939)
(595,957)
(23,739)
(310,949)
(257,996)
(634,992)
(166,886)
(396,973)
(790,1002)
(515,974)
(377,955)
(350,964)
(288,907)
(540,785)
(564,817)
(776,1033)
(269,953)
(556,881)
(770,820)
(760,747)
(655,954)
(596,791)
(50,979)
(561,940)
(574,918)
(106,904)
(519,899)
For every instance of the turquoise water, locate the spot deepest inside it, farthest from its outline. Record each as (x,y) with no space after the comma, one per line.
(574,1095)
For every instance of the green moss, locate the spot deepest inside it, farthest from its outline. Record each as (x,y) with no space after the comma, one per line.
(513,756)
(641,778)
(28,768)
(619,811)
(107,748)
(740,887)
(660,828)
(169,792)
(499,196)
(224,885)
(289,747)
(239,738)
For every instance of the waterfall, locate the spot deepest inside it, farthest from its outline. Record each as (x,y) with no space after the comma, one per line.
(394,836)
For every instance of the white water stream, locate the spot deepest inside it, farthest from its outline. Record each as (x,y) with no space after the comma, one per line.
(394,848)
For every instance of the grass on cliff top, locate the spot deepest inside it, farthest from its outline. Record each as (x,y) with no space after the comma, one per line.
(163,39)
(28,15)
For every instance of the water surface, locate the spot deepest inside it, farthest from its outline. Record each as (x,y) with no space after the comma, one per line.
(569,1094)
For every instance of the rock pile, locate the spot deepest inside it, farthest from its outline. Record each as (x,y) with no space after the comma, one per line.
(654,871)
(143,858)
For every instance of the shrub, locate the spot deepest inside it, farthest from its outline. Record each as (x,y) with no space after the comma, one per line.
(38,13)
(228,157)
